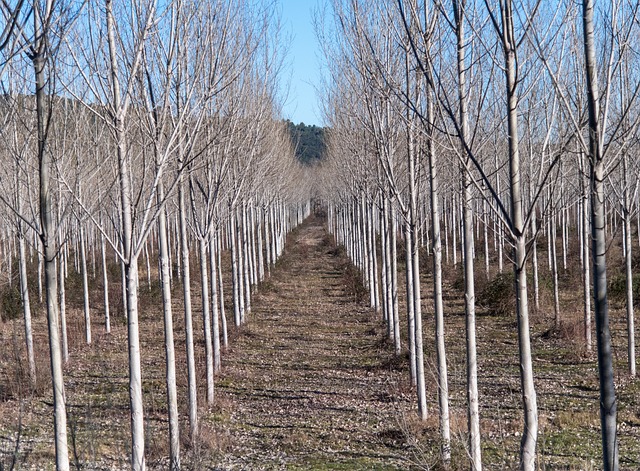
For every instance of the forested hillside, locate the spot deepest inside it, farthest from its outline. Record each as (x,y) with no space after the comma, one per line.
(308,141)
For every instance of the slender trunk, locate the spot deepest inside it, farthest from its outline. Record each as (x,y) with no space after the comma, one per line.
(554,271)
(274,234)
(370,266)
(147,263)
(213,263)
(446,232)
(485,234)
(267,241)
(374,259)
(49,252)
(441,356)
(565,235)
(631,343)
(206,316)
(473,413)
(586,272)
(394,285)
(534,259)
(40,271)
(169,344)
(105,283)
(608,406)
(124,289)
(235,278)
(530,407)
(454,227)
(260,246)
(246,261)
(63,306)
(188,316)
(631,340)
(26,306)
(252,239)
(239,245)
(223,318)
(388,270)
(384,233)
(85,285)
(417,306)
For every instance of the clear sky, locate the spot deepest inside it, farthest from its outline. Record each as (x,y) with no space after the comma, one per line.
(302,65)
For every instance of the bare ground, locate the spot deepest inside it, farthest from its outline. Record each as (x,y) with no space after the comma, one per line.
(310,383)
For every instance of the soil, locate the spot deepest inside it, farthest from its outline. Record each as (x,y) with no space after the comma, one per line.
(310,382)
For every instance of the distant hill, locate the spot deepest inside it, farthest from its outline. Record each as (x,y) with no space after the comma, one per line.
(308,142)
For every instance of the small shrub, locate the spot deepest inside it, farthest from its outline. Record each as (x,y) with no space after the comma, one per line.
(426,261)
(352,279)
(328,241)
(457,279)
(338,251)
(498,296)
(617,289)
(11,303)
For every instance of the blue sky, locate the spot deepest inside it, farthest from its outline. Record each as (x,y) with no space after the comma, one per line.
(302,65)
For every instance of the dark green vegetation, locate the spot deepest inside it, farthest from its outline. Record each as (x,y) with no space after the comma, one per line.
(308,141)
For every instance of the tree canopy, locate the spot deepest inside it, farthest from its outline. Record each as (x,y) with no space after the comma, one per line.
(308,141)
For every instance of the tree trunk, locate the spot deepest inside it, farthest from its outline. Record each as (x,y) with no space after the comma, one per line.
(260,245)
(169,344)
(49,251)
(554,270)
(608,406)
(534,259)
(26,305)
(206,316)
(213,266)
(394,285)
(411,319)
(63,305)
(85,285)
(441,356)
(246,261)
(586,275)
(473,413)
(223,319)
(384,234)
(530,433)
(631,340)
(235,276)
(188,316)
(105,283)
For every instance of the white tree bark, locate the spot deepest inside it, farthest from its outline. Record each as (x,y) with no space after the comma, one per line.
(206,316)
(47,234)
(631,339)
(188,315)
(530,433)
(105,283)
(24,295)
(473,413)
(169,344)
(223,317)
(215,311)
(85,284)
(608,406)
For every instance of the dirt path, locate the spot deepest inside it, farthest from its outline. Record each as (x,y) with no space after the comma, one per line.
(308,384)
